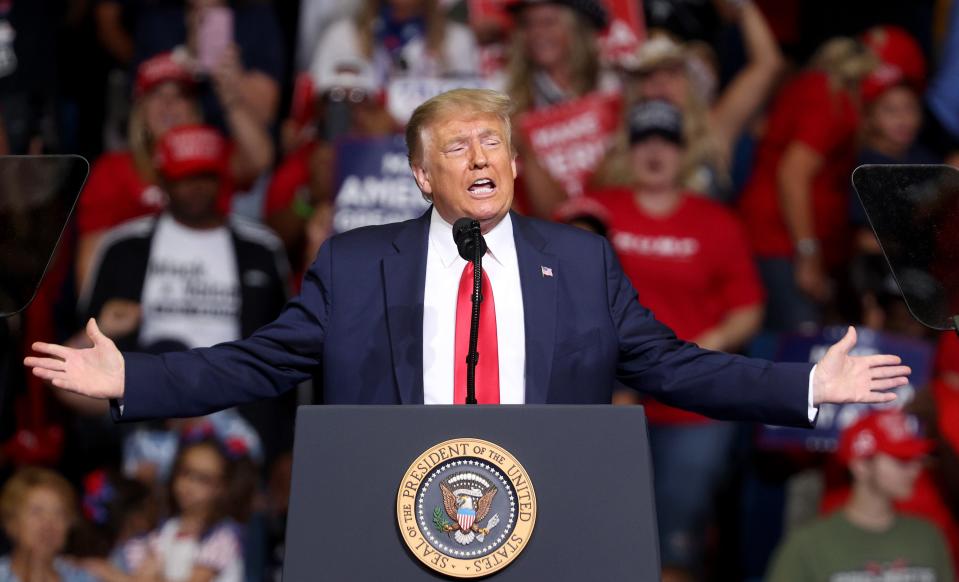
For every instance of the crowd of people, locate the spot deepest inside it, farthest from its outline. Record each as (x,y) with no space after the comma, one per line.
(214,130)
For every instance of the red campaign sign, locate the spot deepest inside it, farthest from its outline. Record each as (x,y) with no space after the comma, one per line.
(571,139)
(626,31)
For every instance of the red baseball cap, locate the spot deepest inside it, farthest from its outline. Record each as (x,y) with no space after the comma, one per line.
(162,68)
(895,46)
(883,78)
(888,431)
(189,150)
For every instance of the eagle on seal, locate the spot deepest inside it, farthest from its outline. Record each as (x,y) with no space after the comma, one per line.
(467,507)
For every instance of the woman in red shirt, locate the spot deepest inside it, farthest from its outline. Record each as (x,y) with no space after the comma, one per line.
(688,259)
(796,203)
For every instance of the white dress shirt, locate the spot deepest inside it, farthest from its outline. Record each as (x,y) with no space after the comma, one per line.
(444,267)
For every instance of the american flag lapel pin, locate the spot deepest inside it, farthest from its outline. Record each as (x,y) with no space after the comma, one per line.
(547,271)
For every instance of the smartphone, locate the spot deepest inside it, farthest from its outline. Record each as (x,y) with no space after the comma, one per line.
(215,33)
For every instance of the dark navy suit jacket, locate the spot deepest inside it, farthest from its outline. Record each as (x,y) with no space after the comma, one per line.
(359,323)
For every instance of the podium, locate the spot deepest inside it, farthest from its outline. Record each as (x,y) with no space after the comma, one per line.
(369,484)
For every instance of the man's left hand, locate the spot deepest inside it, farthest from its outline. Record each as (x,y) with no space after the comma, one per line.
(840,377)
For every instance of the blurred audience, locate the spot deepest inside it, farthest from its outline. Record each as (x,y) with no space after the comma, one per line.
(688,76)
(398,38)
(210,496)
(555,56)
(234,43)
(795,205)
(117,510)
(343,102)
(39,509)
(124,185)
(941,127)
(707,290)
(868,538)
(192,277)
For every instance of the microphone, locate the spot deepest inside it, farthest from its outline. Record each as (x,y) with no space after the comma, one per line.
(466,235)
(472,246)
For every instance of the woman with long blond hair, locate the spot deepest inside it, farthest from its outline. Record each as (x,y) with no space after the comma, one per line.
(399,37)
(796,203)
(555,59)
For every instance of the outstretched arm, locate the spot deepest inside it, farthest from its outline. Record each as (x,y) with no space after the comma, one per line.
(274,359)
(725,386)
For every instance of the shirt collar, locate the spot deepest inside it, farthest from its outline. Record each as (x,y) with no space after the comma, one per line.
(499,240)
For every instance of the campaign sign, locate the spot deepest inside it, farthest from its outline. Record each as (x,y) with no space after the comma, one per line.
(373,183)
(404,94)
(571,139)
(620,41)
(833,418)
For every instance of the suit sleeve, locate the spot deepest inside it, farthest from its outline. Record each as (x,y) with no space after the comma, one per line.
(653,360)
(276,358)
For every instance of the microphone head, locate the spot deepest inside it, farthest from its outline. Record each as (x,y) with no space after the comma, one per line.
(466,235)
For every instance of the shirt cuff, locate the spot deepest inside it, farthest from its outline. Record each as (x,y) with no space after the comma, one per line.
(116,409)
(811,411)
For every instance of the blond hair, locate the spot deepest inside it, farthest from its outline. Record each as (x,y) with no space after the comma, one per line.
(29,479)
(142,142)
(458,102)
(583,63)
(845,61)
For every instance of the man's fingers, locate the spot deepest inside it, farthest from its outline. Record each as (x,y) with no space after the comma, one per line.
(888,383)
(45,363)
(890,372)
(52,349)
(882,360)
(881,397)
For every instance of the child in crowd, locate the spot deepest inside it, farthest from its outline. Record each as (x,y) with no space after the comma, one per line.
(867,538)
(38,508)
(201,541)
(118,510)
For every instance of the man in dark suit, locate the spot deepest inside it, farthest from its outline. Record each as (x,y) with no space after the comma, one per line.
(382,310)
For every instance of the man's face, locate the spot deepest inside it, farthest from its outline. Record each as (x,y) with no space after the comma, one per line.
(193,199)
(467,168)
(890,477)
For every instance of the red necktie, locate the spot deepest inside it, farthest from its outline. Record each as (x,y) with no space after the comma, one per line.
(487,369)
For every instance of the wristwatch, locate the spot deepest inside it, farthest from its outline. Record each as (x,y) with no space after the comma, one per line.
(807,247)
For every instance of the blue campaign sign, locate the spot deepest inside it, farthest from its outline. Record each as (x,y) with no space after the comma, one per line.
(373,183)
(916,354)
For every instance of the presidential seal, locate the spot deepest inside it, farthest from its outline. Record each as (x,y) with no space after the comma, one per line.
(466,508)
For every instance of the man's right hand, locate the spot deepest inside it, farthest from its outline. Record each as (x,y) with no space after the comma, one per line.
(97,372)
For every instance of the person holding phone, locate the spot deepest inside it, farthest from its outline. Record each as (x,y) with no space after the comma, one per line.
(222,39)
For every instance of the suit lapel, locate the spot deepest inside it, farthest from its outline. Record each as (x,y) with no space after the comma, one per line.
(404,278)
(539,305)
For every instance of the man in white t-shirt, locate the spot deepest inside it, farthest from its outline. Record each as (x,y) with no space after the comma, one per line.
(192,277)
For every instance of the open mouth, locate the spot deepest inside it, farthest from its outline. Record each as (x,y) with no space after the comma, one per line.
(482,186)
